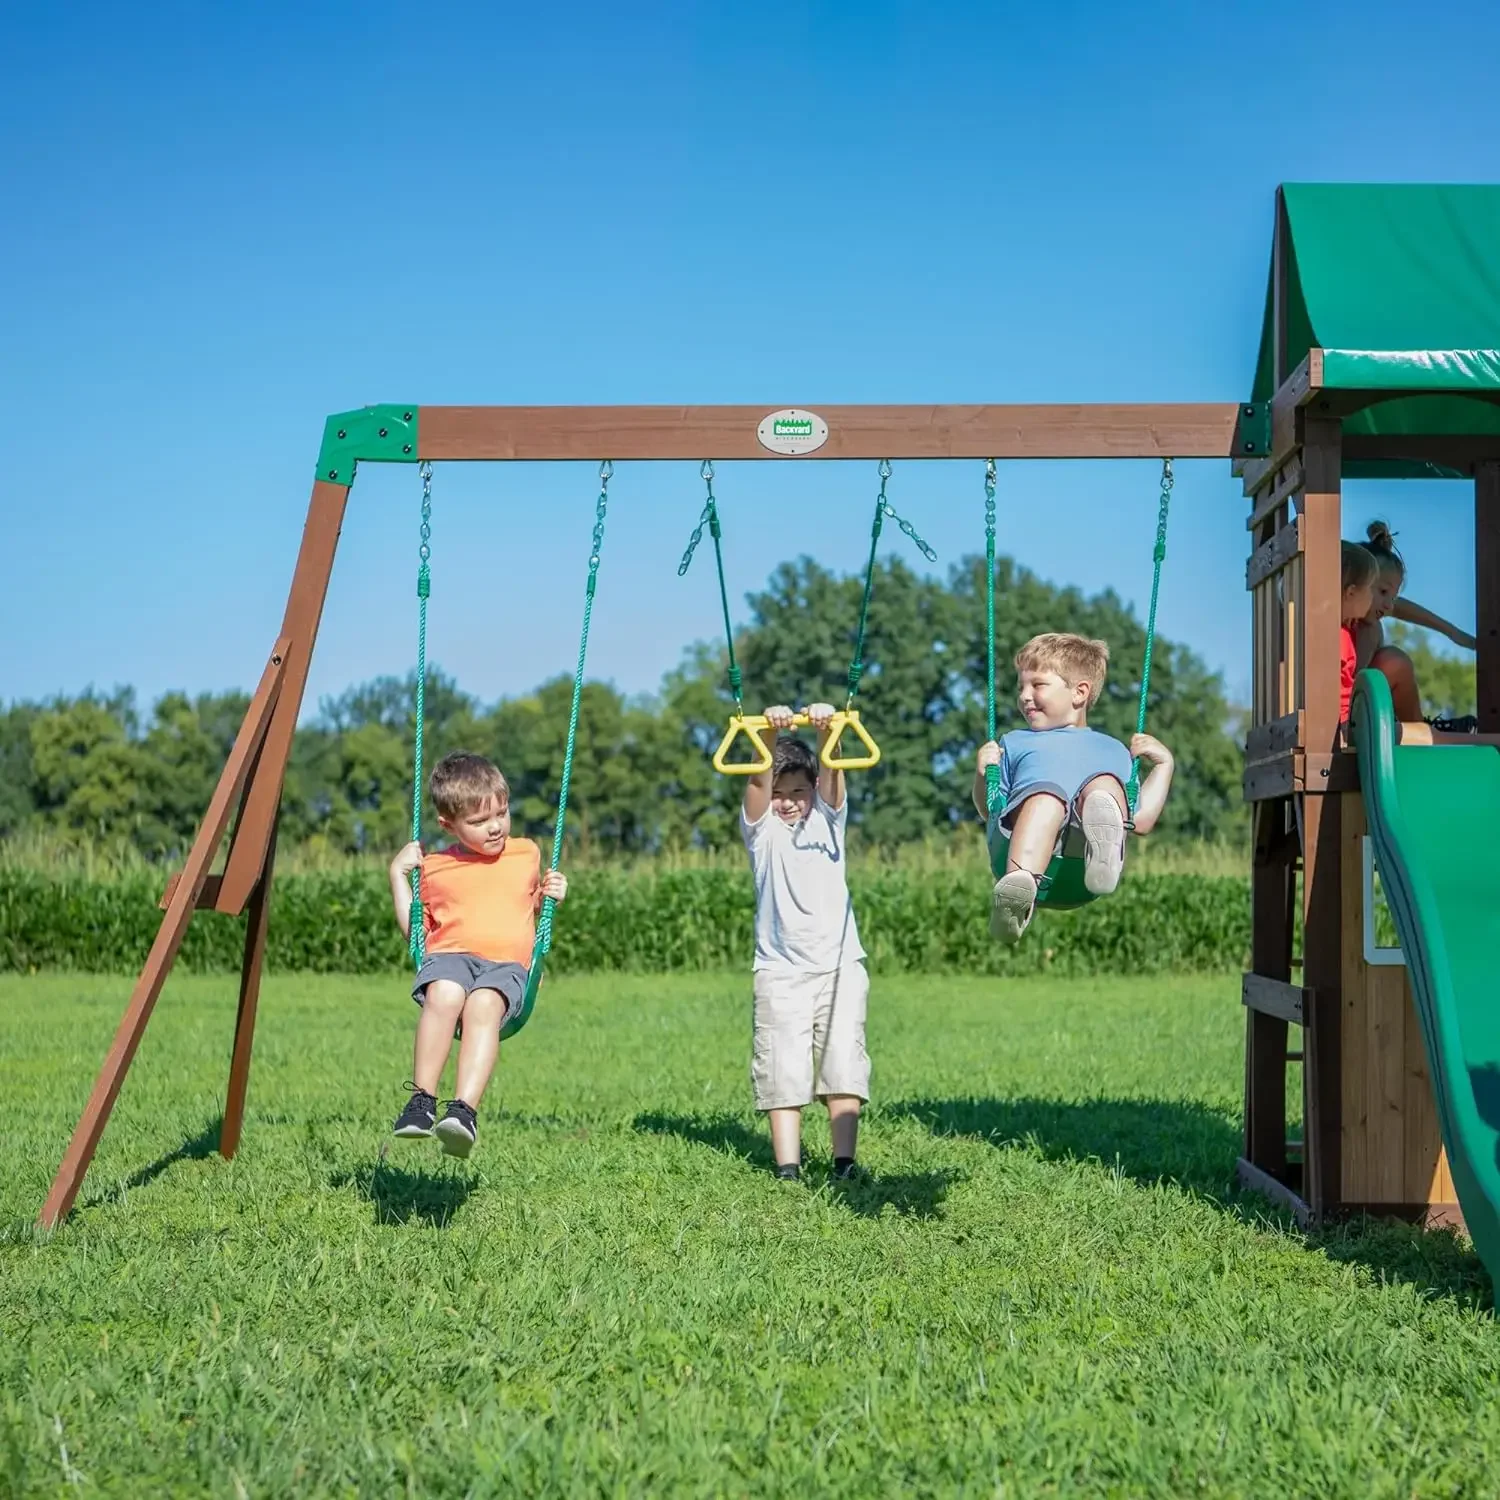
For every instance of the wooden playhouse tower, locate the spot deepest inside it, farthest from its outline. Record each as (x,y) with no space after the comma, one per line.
(1378,357)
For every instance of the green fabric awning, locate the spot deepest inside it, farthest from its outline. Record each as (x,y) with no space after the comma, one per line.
(1399,285)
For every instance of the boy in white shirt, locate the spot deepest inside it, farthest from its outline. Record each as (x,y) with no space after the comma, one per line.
(810,982)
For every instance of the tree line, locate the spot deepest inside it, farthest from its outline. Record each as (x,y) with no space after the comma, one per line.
(97,768)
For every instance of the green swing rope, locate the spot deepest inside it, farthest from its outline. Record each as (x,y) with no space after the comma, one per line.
(417,943)
(883,508)
(1133,788)
(710,518)
(543,945)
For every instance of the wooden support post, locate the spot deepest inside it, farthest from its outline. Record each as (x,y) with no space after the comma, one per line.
(257,917)
(169,935)
(1272,891)
(1322,944)
(1487,594)
(304,610)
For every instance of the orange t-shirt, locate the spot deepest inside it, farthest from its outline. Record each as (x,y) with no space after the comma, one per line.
(1347,659)
(472,903)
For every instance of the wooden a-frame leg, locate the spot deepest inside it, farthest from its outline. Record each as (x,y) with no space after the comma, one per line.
(168,940)
(258,914)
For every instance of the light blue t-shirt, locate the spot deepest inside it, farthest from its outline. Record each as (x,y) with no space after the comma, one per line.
(1061,761)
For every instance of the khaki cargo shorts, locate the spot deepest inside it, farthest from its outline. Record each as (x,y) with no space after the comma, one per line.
(809,1036)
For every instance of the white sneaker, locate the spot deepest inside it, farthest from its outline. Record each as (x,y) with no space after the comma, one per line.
(1015,901)
(1103,843)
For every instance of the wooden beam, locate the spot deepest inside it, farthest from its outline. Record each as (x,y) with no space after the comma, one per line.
(304,610)
(169,935)
(1278,737)
(1282,483)
(1203,430)
(1487,595)
(1464,452)
(256,921)
(1273,997)
(1265,562)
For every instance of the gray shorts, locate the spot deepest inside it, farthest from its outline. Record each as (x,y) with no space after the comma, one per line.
(473,974)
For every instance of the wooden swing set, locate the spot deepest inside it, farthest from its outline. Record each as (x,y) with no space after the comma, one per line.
(1291,443)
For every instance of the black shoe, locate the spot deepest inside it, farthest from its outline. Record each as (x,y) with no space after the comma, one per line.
(457,1129)
(845,1169)
(416,1119)
(788,1171)
(1466,724)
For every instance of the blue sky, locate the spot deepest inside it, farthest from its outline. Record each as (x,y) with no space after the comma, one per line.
(222,223)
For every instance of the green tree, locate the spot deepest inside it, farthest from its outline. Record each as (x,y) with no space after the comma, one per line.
(1446,681)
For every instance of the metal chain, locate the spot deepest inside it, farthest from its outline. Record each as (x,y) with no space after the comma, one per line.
(883,508)
(544,921)
(887,509)
(710,519)
(991,773)
(417,939)
(1158,557)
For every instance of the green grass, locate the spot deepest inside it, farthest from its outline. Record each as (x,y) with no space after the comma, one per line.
(54,853)
(1048,1288)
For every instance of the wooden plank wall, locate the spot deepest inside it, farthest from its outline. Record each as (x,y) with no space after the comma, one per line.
(1392,1150)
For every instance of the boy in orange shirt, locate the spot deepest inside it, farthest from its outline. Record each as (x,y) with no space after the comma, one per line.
(479,904)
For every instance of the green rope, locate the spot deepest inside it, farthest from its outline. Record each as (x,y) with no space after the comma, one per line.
(417,944)
(883,508)
(710,518)
(991,773)
(1133,789)
(543,944)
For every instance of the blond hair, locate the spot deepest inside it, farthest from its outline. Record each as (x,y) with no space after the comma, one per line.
(462,783)
(1075,658)
(1360,566)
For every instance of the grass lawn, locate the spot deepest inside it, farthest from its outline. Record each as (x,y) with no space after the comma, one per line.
(1048,1288)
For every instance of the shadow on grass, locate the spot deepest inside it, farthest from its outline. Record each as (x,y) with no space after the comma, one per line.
(1149,1139)
(918,1195)
(718,1132)
(197,1147)
(398,1196)
(1196,1148)
(914,1195)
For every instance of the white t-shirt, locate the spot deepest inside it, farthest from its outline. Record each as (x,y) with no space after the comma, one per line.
(803,916)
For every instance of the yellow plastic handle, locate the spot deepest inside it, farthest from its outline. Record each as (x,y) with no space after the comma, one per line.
(751,726)
(831,757)
(746,726)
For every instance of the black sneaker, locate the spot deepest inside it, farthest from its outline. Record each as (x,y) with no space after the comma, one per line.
(416,1119)
(788,1171)
(1466,724)
(457,1129)
(845,1169)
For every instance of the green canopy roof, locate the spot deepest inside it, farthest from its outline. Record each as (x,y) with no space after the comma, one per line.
(1399,285)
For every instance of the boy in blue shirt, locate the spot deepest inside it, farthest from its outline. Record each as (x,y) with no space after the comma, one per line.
(1062,784)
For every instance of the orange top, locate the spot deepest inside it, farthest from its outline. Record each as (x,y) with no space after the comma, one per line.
(1347,661)
(475,903)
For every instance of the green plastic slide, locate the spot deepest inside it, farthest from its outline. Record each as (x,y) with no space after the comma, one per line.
(1434,813)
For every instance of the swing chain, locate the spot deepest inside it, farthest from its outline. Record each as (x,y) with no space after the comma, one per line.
(885,508)
(992,773)
(1159,555)
(417,938)
(710,519)
(1167,481)
(606,473)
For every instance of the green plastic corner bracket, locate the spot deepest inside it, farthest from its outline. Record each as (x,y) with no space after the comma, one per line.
(1252,430)
(372,435)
